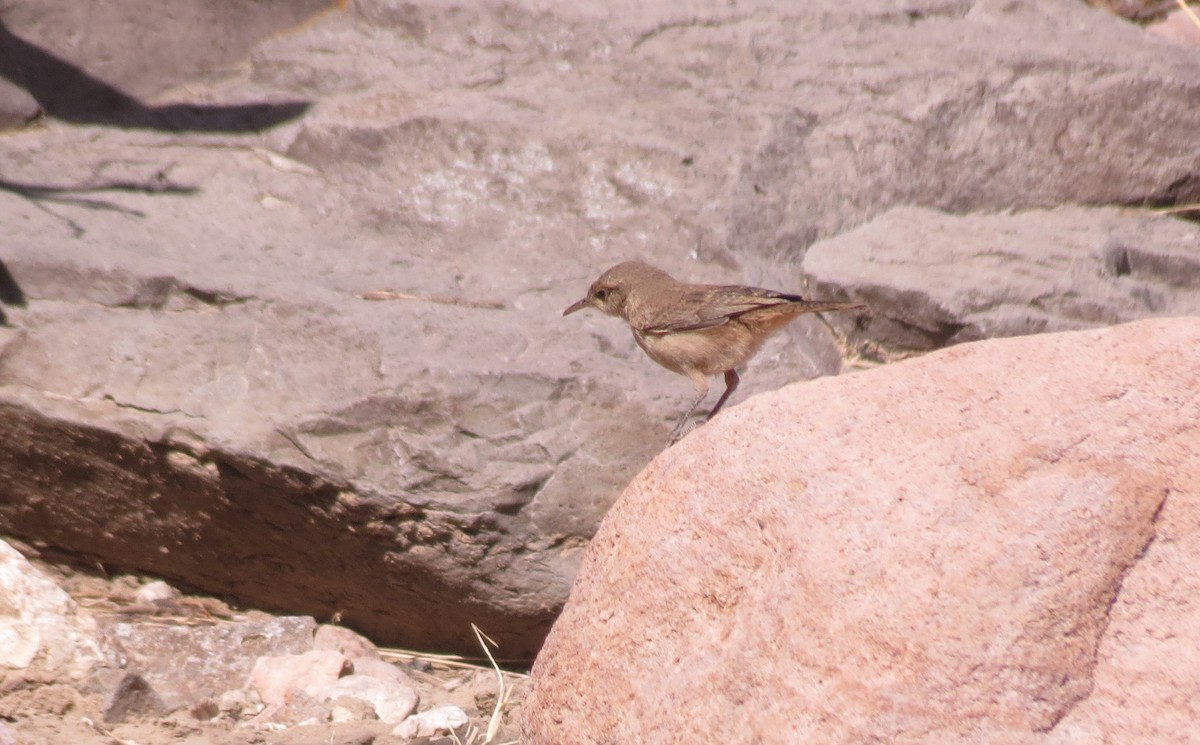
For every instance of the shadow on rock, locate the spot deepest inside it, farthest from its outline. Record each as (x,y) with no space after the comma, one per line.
(10,292)
(77,196)
(66,92)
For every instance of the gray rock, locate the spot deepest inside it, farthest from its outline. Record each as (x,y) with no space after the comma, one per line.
(963,106)
(377,668)
(933,279)
(350,709)
(77,60)
(157,593)
(187,664)
(195,388)
(132,698)
(391,701)
(277,678)
(44,634)
(439,721)
(345,641)
(237,703)
(299,709)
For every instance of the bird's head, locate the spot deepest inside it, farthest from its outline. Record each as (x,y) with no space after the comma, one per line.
(610,294)
(607,297)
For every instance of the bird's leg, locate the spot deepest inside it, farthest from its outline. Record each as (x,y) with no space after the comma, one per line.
(731,384)
(701,384)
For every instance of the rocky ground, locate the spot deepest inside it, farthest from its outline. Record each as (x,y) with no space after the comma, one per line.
(199,679)
(281,292)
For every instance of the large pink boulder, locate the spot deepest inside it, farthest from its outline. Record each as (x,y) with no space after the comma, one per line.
(996,543)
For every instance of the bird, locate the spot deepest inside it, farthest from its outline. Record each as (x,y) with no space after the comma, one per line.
(696,330)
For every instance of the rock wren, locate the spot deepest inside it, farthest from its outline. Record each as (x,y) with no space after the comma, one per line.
(696,330)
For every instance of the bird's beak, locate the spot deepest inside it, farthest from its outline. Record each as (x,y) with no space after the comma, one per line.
(585,303)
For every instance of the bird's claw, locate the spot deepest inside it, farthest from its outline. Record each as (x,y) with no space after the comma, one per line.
(682,430)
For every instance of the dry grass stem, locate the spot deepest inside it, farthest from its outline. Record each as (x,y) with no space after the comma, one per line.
(501,694)
(457,662)
(1179,208)
(452,661)
(1190,13)
(119,740)
(439,299)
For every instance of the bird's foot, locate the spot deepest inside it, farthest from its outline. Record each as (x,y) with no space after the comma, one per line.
(682,430)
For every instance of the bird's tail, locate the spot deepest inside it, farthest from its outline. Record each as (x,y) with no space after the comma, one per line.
(797,304)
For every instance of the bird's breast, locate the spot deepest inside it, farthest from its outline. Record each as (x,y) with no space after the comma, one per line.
(709,351)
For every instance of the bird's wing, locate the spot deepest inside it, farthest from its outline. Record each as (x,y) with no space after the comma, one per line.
(705,306)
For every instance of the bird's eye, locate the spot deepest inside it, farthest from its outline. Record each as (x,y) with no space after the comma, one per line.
(602,295)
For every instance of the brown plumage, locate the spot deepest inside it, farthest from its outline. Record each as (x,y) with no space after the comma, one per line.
(696,330)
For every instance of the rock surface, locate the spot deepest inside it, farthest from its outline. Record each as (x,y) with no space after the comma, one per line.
(443,720)
(994,543)
(178,668)
(185,665)
(190,384)
(132,698)
(275,678)
(933,279)
(74,60)
(390,701)
(1178,27)
(43,634)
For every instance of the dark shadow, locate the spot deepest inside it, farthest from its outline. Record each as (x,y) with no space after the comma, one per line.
(66,92)
(10,292)
(39,195)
